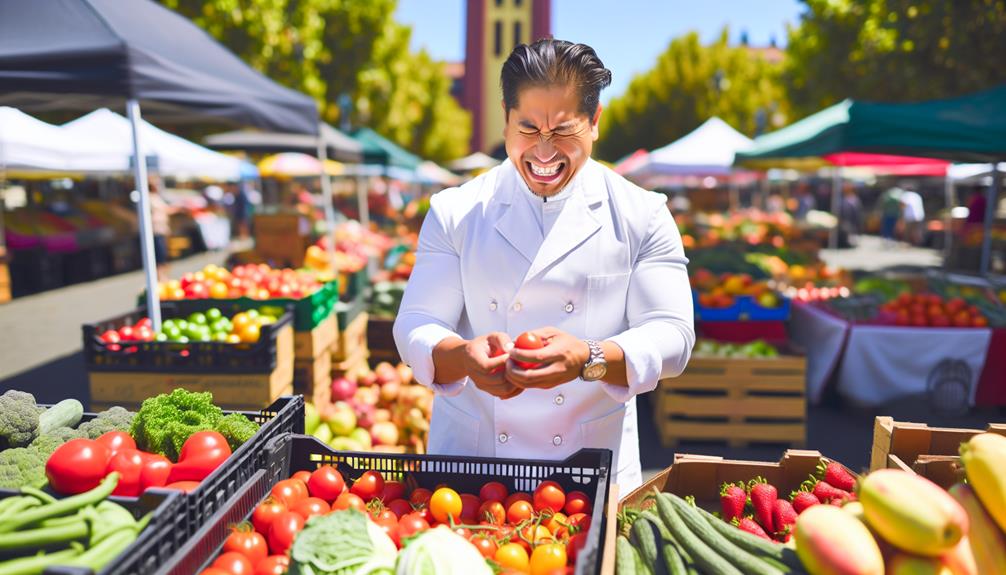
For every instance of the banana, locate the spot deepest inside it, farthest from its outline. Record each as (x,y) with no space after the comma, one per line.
(903,564)
(830,541)
(912,513)
(984,459)
(988,544)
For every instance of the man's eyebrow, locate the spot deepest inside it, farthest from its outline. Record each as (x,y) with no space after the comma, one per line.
(527,124)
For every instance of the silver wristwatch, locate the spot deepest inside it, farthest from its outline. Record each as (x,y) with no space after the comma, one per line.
(596,366)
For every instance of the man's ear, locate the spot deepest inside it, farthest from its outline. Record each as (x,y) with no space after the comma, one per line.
(595,122)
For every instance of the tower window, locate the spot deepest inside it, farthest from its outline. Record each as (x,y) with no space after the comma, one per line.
(516,34)
(499,2)
(517,2)
(498,37)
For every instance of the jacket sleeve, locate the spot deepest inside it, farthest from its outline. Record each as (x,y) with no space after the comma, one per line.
(433,302)
(659,309)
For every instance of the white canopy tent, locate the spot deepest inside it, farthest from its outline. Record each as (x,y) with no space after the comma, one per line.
(706,151)
(28,144)
(472,162)
(972,172)
(430,173)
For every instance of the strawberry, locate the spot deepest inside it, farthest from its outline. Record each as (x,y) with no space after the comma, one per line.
(836,476)
(803,499)
(733,498)
(824,491)
(749,525)
(763,497)
(783,518)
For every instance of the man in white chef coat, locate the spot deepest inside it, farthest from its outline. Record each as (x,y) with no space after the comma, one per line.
(553,243)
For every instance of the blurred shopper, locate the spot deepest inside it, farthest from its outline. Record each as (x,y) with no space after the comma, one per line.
(160,225)
(890,213)
(804,201)
(913,214)
(850,217)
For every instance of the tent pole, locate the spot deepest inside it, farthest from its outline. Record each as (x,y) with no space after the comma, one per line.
(361,200)
(143,211)
(948,221)
(991,196)
(326,194)
(836,185)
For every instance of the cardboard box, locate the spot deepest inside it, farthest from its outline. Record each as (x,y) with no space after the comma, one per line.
(307,345)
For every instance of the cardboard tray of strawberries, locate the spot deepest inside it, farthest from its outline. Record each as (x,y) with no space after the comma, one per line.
(758,494)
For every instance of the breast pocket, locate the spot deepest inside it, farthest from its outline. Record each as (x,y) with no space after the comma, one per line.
(606,296)
(452,431)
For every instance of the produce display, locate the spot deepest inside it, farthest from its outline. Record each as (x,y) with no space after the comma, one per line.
(254,281)
(379,410)
(386,298)
(931,310)
(316,522)
(211,325)
(753,350)
(85,531)
(723,290)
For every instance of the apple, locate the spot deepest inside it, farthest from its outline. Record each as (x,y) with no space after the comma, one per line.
(341,419)
(365,415)
(367,379)
(343,389)
(386,373)
(311,418)
(367,395)
(389,391)
(362,436)
(323,433)
(384,433)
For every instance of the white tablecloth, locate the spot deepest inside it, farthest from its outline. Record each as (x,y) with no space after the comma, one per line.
(822,337)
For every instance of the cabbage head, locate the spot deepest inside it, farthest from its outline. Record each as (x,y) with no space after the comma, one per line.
(441,551)
(342,543)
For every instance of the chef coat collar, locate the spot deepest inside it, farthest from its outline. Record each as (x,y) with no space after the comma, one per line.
(589,180)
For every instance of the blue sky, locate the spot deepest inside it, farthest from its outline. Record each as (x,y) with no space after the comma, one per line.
(627,34)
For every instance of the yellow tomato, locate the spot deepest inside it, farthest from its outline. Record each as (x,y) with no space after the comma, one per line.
(250,333)
(233,338)
(445,503)
(547,559)
(219,290)
(512,556)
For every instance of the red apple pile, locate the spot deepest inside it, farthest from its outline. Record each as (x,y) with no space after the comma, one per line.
(255,281)
(931,310)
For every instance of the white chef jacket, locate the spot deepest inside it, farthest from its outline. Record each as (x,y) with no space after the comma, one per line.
(611,267)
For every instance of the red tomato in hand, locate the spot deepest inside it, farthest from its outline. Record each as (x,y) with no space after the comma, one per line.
(528,340)
(234,563)
(266,513)
(311,506)
(368,486)
(246,541)
(400,507)
(77,466)
(347,500)
(273,565)
(283,531)
(116,441)
(577,502)
(411,524)
(326,483)
(493,491)
(549,495)
(289,492)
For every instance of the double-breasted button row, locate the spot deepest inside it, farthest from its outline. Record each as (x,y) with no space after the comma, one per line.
(517,306)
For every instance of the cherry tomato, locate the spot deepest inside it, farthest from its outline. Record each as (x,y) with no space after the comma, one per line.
(528,340)
(272,565)
(393,490)
(347,500)
(513,556)
(536,534)
(116,441)
(577,502)
(546,559)
(493,491)
(464,532)
(445,504)
(492,512)
(266,513)
(388,522)
(326,483)
(550,496)
(411,524)
(311,506)
(234,563)
(420,497)
(426,514)
(304,476)
(77,466)
(517,497)
(581,521)
(400,507)
(558,525)
(290,492)
(576,543)
(519,511)
(469,508)
(368,486)
(248,542)
(485,545)
(283,530)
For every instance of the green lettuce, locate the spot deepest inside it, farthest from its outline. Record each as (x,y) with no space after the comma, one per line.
(342,543)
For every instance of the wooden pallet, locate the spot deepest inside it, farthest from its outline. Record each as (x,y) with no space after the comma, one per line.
(737,401)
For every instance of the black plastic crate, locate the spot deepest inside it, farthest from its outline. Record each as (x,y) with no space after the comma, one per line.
(587,470)
(162,537)
(192,357)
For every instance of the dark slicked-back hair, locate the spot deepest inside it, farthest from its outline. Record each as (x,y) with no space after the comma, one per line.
(550,62)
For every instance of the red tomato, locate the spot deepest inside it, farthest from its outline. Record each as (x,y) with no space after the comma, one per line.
(347,500)
(426,514)
(411,524)
(214,571)
(579,520)
(464,532)
(388,522)
(492,512)
(186,486)
(290,492)
(519,496)
(528,340)
(574,546)
(493,491)
(400,507)
(200,455)
(155,472)
(311,506)
(549,495)
(266,513)
(368,486)
(234,563)
(272,565)
(577,502)
(520,511)
(420,497)
(248,542)
(129,463)
(116,441)
(77,466)
(326,483)
(283,530)
(469,508)
(485,545)
(302,475)
(393,490)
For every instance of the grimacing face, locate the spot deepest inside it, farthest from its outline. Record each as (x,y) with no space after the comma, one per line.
(548,138)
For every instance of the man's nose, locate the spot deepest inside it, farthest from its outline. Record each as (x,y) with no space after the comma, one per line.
(544,150)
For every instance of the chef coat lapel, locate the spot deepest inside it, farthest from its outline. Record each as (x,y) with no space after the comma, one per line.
(516,224)
(575,224)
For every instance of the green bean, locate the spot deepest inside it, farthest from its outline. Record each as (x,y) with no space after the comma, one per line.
(62,506)
(37,493)
(37,563)
(44,537)
(103,553)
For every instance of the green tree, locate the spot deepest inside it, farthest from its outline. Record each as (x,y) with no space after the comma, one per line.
(894,50)
(689,84)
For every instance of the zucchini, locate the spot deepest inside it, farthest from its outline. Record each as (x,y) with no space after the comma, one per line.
(785,557)
(705,558)
(740,558)
(625,557)
(66,413)
(644,538)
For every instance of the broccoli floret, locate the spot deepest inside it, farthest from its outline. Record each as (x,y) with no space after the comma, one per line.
(237,429)
(18,418)
(48,443)
(113,419)
(164,422)
(22,466)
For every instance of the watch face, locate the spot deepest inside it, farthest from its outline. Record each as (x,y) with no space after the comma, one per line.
(594,372)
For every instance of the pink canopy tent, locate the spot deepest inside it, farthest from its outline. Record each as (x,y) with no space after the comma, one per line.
(890,165)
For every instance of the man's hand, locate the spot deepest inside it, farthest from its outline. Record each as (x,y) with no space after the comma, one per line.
(485,358)
(560,361)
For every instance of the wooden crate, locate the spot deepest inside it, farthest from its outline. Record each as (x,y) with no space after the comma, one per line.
(701,476)
(739,401)
(244,391)
(282,237)
(381,340)
(351,340)
(928,451)
(308,345)
(313,379)
(610,534)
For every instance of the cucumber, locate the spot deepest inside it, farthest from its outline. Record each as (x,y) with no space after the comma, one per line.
(786,558)
(66,413)
(673,561)
(740,558)
(651,516)
(644,538)
(705,558)
(625,557)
